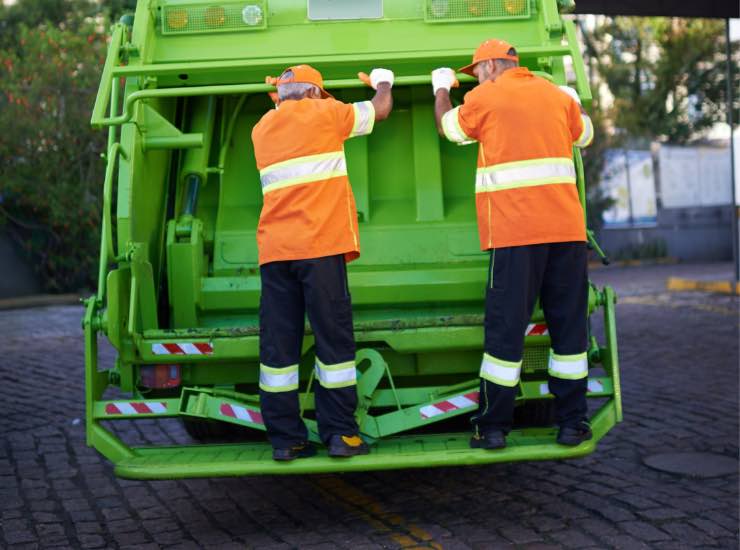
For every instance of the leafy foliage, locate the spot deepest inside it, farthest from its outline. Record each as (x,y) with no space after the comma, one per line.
(667,76)
(49,157)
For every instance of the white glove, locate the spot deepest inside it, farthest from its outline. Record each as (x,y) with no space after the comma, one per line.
(380,75)
(571,92)
(443,78)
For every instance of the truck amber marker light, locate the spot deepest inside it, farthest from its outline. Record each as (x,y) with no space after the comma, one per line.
(179,284)
(177,18)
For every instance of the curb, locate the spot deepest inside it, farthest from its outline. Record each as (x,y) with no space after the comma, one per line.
(40,300)
(668,260)
(678,284)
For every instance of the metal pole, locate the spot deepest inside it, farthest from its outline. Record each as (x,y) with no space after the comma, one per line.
(629,187)
(730,104)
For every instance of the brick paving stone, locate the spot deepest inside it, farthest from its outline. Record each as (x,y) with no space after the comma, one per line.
(572,538)
(687,533)
(519,535)
(643,531)
(661,513)
(54,490)
(711,528)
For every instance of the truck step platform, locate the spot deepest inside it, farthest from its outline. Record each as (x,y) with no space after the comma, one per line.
(407,451)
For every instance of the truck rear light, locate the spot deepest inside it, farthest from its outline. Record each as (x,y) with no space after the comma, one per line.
(160,376)
(515,7)
(252,15)
(177,19)
(215,16)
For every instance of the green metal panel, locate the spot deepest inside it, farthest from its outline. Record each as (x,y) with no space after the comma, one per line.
(178,254)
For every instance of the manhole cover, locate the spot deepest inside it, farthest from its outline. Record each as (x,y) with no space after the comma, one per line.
(693,464)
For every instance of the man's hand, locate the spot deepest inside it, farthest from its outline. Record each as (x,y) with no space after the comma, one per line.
(377,76)
(443,79)
(380,80)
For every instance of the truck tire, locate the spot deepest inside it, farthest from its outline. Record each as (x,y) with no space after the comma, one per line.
(206,430)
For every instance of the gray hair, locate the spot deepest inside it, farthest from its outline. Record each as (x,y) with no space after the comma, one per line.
(506,63)
(295,90)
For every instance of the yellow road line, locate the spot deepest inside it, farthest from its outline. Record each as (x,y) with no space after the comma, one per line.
(680,284)
(405,535)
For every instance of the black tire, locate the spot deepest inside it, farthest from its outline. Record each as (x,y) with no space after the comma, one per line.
(206,430)
(538,413)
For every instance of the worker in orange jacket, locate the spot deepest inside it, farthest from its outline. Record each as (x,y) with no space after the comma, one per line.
(307,232)
(531,220)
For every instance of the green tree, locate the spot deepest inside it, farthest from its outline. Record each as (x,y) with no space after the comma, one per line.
(49,157)
(667,76)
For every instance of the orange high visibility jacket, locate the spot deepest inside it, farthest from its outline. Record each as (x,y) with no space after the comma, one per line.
(309,209)
(525,187)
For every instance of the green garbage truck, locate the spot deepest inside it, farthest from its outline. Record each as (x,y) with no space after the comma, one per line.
(178,291)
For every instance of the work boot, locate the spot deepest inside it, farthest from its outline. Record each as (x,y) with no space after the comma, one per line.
(347,445)
(574,435)
(302,450)
(491,440)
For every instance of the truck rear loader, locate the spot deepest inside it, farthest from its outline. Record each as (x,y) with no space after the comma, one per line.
(178,292)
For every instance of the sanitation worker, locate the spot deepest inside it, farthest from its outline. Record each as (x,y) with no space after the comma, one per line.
(307,233)
(532,222)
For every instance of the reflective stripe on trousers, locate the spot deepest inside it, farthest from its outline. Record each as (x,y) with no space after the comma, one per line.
(525,173)
(278,379)
(303,170)
(498,371)
(339,375)
(568,367)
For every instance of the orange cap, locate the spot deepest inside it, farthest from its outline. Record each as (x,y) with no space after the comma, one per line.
(490,49)
(301,73)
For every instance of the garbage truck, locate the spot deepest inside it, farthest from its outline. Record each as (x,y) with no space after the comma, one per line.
(183,83)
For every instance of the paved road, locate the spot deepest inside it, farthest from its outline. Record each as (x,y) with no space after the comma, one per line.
(679,357)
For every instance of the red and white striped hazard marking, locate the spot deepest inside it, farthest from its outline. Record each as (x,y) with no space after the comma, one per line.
(452,404)
(242,413)
(133,407)
(183,348)
(536,329)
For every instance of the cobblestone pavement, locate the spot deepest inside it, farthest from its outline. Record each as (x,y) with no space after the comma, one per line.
(679,356)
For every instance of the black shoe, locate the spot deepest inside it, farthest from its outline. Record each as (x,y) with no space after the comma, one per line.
(347,445)
(574,435)
(302,450)
(495,439)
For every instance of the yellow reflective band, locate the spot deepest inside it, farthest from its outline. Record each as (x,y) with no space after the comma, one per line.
(364,118)
(568,367)
(587,135)
(303,170)
(339,375)
(498,371)
(278,379)
(452,129)
(526,173)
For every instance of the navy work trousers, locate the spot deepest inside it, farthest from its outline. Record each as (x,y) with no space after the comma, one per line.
(557,273)
(290,290)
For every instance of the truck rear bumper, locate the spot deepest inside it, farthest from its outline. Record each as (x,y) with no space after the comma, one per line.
(408,451)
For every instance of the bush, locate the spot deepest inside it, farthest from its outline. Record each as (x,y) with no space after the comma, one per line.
(50,193)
